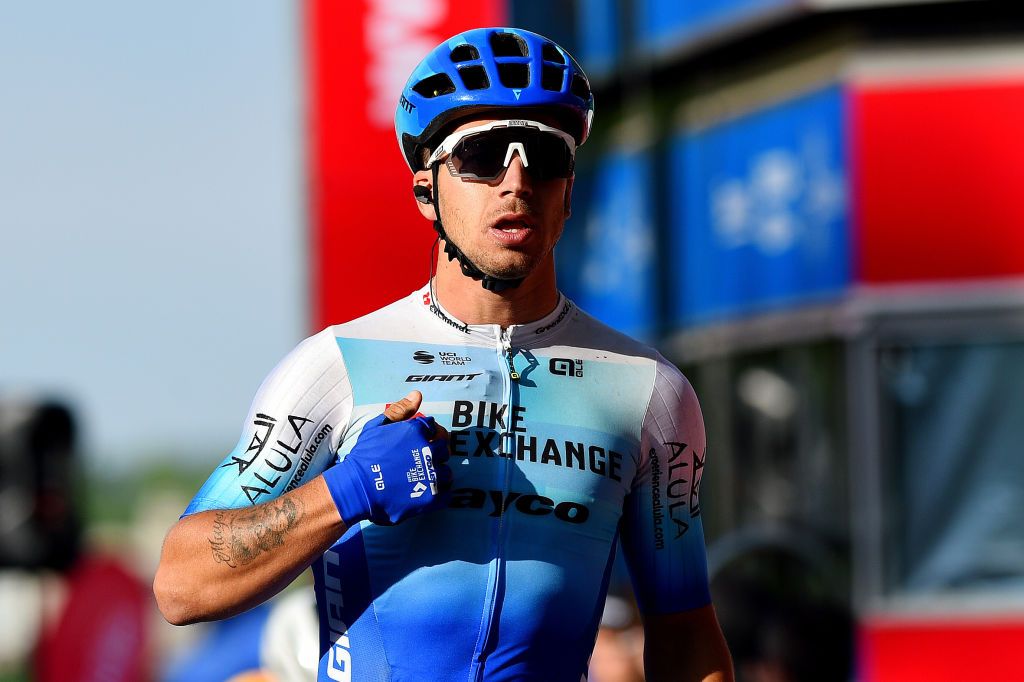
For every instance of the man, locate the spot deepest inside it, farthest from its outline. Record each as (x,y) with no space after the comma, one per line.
(492,564)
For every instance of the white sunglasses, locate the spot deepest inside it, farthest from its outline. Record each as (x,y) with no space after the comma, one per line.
(484,152)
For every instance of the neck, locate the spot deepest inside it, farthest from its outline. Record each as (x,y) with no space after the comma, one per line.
(468,301)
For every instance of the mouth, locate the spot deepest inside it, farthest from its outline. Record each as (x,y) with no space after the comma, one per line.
(512,221)
(512,228)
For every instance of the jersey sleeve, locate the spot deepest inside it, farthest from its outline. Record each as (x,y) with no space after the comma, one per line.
(662,535)
(291,432)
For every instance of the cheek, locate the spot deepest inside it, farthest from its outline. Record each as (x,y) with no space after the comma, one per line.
(462,203)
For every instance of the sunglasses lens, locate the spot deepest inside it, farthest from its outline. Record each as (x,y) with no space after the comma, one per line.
(549,157)
(482,156)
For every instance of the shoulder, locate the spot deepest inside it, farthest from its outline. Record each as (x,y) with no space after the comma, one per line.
(586,331)
(312,375)
(673,412)
(400,320)
(669,400)
(313,355)
(672,403)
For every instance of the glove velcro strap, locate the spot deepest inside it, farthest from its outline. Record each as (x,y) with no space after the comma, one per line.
(348,494)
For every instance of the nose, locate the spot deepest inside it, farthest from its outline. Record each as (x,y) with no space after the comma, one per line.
(516,180)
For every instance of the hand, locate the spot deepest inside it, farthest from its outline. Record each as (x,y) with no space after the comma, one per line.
(397,468)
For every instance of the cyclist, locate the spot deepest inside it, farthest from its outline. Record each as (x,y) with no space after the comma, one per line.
(475,543)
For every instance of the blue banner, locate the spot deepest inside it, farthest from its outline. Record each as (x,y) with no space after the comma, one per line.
(606,259)
(664,24)
(598,29)
(759,210)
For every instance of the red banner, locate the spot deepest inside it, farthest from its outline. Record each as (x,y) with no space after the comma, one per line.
(368,243)
(941,650)
(939,171)
(101,633)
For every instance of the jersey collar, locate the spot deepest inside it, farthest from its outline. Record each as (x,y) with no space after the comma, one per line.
(520,334)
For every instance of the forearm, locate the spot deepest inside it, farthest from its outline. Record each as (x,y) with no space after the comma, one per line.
(218,563)
(686,647)
(688,666)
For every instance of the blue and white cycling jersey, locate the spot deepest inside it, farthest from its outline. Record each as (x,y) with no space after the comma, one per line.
(564,434)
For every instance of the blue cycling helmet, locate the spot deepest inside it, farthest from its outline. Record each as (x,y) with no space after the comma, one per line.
(487,68)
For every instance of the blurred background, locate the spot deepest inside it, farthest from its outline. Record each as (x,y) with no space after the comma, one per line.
(811,206)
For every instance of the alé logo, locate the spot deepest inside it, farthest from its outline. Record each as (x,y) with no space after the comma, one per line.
(566,367)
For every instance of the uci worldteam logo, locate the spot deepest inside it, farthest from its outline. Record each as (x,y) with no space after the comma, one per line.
(423,357)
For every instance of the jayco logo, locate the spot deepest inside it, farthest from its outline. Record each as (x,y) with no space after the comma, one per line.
(529,504)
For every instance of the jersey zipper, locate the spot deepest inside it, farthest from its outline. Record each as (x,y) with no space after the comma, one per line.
(510,379)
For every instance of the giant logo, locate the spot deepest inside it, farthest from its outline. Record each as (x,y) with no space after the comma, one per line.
(339,655)
(413,378)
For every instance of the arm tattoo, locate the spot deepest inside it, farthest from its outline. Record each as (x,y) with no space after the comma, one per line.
(239,537)
(218,543)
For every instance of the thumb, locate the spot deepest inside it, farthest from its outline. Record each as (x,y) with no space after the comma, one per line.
(405,408)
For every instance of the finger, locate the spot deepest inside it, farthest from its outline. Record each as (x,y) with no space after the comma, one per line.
(431,429)
(405,408)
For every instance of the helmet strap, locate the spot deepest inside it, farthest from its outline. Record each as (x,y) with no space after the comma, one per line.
(469,268)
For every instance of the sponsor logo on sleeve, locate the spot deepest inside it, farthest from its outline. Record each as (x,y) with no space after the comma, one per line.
(307,456)
(681,492)
(269,458)
(657,510)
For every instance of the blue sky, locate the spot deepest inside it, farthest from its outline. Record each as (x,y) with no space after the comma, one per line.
(151,215)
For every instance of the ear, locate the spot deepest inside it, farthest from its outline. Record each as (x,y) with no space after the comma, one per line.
(568,198)
(422,188)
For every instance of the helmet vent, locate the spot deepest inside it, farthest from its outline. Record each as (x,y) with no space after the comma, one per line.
(474,77)
(514,75)
(508,45)
(435,86)
(465,53)
(551,78)
(580,87)
(551,54)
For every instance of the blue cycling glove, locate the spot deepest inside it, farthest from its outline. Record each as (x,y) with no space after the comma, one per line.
(394,471)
